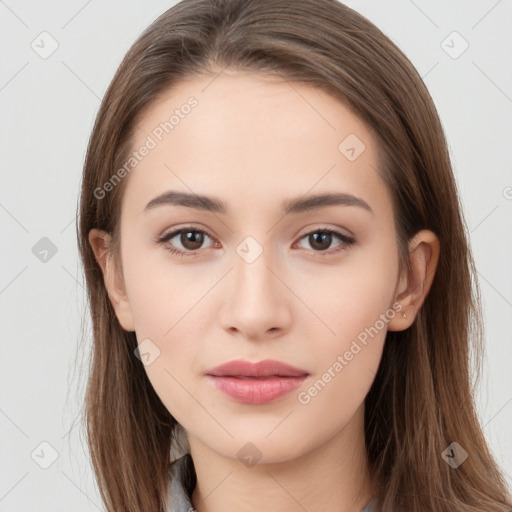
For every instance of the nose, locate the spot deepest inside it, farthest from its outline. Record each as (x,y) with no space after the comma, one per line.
(257,303)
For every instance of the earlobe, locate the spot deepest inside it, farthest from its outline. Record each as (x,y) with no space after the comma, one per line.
(100,242)
(412,289)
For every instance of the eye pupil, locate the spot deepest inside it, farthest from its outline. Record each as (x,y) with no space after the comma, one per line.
(195,238)
(325,237)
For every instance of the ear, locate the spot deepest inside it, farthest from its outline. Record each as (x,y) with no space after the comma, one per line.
(412,289)
(101,242)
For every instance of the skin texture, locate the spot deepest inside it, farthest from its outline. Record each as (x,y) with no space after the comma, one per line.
(254,142)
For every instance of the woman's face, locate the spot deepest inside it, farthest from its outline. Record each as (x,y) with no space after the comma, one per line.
(263,282)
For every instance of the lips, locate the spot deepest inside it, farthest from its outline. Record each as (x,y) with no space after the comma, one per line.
(256,383)
(261,369)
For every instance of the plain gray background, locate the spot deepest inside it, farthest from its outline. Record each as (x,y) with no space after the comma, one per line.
(48,108)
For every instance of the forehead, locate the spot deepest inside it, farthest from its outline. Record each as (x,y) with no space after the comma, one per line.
(248,137)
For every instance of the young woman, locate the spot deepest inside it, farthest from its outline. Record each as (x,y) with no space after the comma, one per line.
(279,274)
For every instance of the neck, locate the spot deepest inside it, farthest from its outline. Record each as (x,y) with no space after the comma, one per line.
(333,477)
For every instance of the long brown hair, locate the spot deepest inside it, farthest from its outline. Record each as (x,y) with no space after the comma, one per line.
(422,397)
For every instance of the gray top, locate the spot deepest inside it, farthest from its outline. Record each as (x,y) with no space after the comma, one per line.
(182,483)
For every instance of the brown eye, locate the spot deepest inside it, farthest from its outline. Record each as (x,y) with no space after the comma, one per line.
(190,240)
(321,239)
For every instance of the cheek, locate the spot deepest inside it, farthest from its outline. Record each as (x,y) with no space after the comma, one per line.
(167,307)
(356,309)
(170,308)
(354,296)
(162,295)
(346,362)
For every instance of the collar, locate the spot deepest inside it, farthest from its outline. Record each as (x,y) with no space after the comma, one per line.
(183,480)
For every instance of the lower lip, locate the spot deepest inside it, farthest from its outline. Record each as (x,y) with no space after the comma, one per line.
(256,391)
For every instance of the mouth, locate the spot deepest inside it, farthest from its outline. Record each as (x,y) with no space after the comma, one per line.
(256,383)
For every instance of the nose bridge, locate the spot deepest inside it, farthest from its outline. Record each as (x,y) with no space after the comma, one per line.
(252,263)
(257,299)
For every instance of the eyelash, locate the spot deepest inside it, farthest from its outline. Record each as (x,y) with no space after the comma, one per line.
(347,241)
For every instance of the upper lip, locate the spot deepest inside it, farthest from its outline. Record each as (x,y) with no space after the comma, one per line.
(266,368)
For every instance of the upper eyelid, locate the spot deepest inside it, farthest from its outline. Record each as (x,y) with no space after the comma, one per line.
(173,232)
(167,236)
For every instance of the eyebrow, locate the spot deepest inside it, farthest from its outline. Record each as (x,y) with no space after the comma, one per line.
(294,205)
